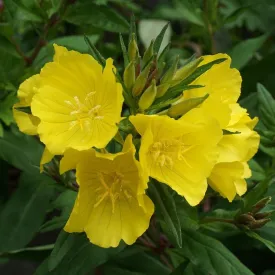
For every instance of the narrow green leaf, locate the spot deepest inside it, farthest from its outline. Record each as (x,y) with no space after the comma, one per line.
(210,255)
(133,28)
(96,54)
(25,211)
(166,206)
(7,47)
(254,234)
(169,96)
(159,38)
(124,51)
(243,52)
(1,130)
(6,108)
(164,52)
(113,270)
(266,106)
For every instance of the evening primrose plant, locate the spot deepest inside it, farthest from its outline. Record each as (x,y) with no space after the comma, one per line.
(134,138)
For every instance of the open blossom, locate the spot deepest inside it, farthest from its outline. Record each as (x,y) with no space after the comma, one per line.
(111,204)
(180,153)
(78,102)
(235,149)
(27,123)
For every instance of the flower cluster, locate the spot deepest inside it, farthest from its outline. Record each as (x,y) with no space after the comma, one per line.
(197,138)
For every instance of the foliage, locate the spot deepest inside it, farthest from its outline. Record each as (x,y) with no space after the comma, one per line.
(214,237)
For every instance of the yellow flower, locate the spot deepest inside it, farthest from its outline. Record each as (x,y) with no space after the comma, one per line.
(180,153)
(228,178)
(228,175)
(244,143)
(111,204)
(221,81)
(27,123)
(78,103)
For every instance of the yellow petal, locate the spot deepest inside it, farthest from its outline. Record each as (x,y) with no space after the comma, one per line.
(220,80)
(224,176)
(58,52)
(26,123)
(46,157)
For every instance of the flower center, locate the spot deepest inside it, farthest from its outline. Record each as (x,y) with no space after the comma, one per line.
(84,112)
(166,152)
(112,187)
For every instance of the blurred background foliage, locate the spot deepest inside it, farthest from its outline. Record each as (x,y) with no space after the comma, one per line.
(33,208)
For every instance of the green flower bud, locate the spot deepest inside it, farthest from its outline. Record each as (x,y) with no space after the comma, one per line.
(148,96)
(258,224)
(170,72)
(161,67)
(148,53)
(185,71)
(262,215)
(260,204)
(141,80)
(133,48)
(162,89)
(129,75)
(245,219)
(180,107)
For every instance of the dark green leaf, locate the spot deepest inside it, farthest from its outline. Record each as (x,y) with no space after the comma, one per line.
(243,52)
(6,108)
(124,51)
(165,205)
(26,110)
(210,255)
(25,211)
(266,106)
(258,173)
(98,16)
(64,203)
(22,151)
(269,244)
(74,254)
(94,51)
(113,270)
(159,39)
(7,47)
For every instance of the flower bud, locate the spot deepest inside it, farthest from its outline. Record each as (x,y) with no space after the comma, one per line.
(262,215)
(181,107)
(148,96)
(129,75)
(245,219)
(148,53)
(258,224)
(185,71)
(162,89)
(133,48)
(260,204)
(141,80)
(170,72)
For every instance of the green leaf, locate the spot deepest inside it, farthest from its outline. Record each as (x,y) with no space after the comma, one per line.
(6,108)
(25,211)
(98,16)
(94,51)
(7,47)
(113,270)
(16,8)
(258,173)
(243,52)
(254,234)
(22,151)
(64,203)
(190,11)
(1,130)
(124,51)
(72,42)
(210,255)
(74,254)
(132,257)
(266,106)
(166,206)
